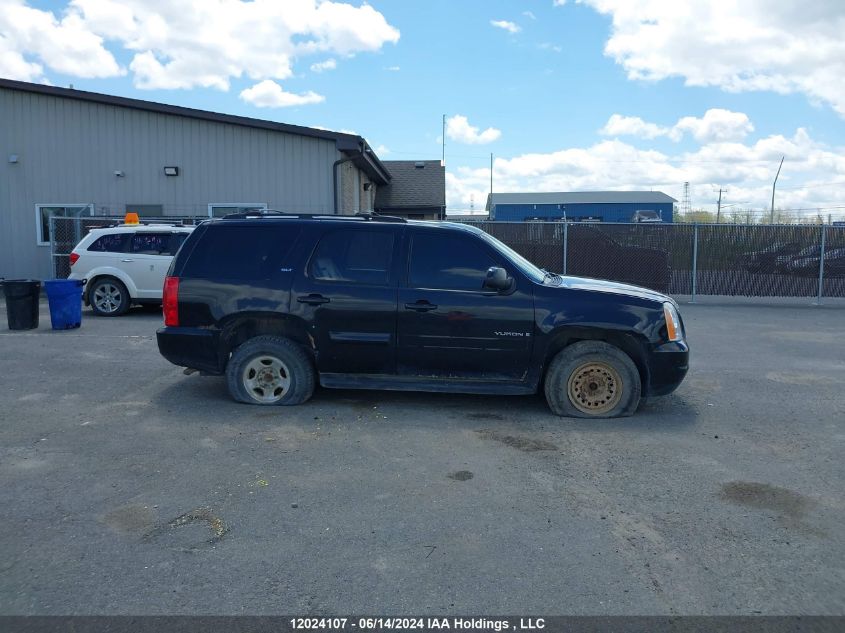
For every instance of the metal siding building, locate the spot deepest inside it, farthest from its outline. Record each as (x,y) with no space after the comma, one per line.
(62,148)
(607,206)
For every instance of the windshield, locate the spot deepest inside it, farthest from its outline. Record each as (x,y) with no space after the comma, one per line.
(527,268)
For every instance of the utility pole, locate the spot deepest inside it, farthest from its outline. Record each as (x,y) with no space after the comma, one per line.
(443,138)
(491,178)
(774,184)
(719,205)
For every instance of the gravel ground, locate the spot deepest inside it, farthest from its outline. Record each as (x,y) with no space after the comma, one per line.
(130,488)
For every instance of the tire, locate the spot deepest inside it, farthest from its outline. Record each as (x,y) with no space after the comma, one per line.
(270,370)
(592,379)
(109,297)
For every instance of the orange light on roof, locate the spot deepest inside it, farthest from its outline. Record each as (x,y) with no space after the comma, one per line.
(131,218)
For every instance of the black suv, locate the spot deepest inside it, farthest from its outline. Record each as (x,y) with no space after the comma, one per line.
(278,302)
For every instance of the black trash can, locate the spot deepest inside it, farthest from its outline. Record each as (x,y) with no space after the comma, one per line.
(22,303)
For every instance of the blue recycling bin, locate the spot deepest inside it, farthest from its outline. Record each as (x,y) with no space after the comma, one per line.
(65,299)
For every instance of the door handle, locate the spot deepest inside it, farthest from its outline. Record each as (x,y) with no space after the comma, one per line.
(313,299)
(126,261)
(420,306)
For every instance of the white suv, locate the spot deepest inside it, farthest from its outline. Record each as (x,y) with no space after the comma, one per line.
(125,264)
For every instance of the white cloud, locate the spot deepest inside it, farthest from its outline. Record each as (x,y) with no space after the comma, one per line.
(510,27)
(31,39)
(381,150)
(459,129)
(619,125)
(329,64)
(779,46)
(548,46)
(204,44)
(269,94)
(14,66)
(530,15)
(746,169)
(716,125)
(393,69)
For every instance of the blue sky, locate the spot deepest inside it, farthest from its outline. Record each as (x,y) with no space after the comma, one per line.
(587,95)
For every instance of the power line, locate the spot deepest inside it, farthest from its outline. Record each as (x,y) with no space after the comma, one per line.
(816,186)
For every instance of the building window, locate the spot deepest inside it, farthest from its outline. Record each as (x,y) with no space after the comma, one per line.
(43,213)
(146,210)
(219,209)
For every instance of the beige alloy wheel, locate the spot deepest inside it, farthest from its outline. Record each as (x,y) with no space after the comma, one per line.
(595,388)
(592,379)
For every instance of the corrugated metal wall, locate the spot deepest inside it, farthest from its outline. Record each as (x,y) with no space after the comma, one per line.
(608,212)
(68,151)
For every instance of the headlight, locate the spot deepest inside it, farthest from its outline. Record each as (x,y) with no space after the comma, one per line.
(673,322)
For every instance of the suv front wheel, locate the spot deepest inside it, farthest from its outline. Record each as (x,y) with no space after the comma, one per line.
(593,379)
(270,370)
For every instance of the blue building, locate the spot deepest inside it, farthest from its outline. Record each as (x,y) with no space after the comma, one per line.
(581,206)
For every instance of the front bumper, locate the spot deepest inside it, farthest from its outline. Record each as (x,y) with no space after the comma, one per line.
(668,365)
(196,348)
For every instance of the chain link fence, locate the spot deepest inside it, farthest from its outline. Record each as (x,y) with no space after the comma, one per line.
(680,259)
(689,259)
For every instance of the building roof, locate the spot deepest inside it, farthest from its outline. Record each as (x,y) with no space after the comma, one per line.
(363,155)
(413,184)
(579,197)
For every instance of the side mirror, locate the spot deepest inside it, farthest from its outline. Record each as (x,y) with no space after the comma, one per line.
(497,279)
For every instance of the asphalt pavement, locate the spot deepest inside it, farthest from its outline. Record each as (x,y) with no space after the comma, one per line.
(127,487)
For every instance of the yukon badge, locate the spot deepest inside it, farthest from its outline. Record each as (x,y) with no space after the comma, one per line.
(512,333)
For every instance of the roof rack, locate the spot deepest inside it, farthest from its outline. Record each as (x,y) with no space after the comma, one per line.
(156,223)
(256,214)
(377,217)
(367,215)
(116,224)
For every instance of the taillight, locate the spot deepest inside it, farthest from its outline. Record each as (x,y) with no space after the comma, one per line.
(74,257)
(170,302)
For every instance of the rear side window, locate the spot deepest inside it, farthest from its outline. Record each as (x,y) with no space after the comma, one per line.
(240,252)
(114,243)
(449,262)
(176,240)
(151,243)
(353,256)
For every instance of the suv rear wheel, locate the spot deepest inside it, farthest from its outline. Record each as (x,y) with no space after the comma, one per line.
(108,297)
(270,370)
(592,379)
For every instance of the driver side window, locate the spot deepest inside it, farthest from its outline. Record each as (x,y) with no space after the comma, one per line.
(447,262)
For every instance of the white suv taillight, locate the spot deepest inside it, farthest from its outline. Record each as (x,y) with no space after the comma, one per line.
(74,257)
(170,302)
